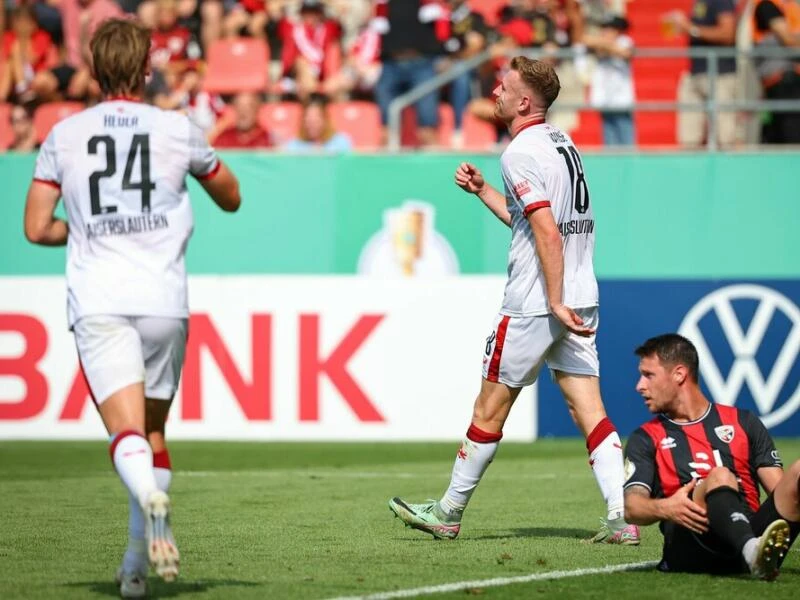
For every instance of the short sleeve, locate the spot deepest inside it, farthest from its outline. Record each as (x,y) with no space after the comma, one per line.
(640,461)
(762,449)
(203,160)
(524,182)
(47,170)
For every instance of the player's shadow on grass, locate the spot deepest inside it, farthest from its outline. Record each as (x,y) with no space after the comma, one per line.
(158,589)
(570,533)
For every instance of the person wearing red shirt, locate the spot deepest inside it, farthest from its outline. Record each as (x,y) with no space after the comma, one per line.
(170,41)
(246,132)
(247,16)
(26,50)
(311,50)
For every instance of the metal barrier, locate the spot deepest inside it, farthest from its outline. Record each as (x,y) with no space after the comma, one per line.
(710,106)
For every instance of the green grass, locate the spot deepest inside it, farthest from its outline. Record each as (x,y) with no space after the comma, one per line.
(311,521)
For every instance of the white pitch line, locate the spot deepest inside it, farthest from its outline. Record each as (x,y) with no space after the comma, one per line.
(500,581)
(365,474)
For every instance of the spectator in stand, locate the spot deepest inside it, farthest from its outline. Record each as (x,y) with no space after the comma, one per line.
(352,15)
(26,50)
(169,48)
(248,17)
(361,68)
(409,48)
(246,132)
(777,24)
(467,37)
(317,133)
(711,25)
(311,50)
(21,122)
(612,83)
(72,77)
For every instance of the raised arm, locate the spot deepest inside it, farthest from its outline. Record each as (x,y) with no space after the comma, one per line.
(469,178)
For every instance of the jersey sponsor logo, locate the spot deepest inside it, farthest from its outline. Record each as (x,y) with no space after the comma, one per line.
(668,443)
(747,342)
(725,433)
(522,188)
(777,458)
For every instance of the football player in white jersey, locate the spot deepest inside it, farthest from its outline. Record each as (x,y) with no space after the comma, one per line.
(120,168)
(549,312)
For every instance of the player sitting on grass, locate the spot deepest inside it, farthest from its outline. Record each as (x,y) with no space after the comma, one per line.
(696,467)
(121,168)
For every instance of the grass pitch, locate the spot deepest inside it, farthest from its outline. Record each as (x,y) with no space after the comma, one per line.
(311,521)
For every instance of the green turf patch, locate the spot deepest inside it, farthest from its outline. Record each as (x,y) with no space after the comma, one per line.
(311,521)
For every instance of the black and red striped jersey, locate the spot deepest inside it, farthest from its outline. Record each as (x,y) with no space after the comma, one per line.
(662,455)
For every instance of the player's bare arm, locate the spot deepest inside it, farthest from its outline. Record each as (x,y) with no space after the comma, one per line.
(550,250)
(41,225)
(470,179)
(769,478)
(679,508)
(223,188)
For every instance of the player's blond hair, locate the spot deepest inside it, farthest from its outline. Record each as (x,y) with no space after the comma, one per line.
(539,76)
(120,49)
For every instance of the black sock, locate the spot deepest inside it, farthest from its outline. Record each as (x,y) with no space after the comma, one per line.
(727,516)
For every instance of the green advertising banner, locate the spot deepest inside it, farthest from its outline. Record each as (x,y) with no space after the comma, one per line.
(658,216)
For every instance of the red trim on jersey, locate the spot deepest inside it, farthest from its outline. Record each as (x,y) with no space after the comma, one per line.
(700,445)
(211,174)
(118,438)
(476,434)
(161,460)
(525,125)
(665,462)
(533,206)
(601,431)
(52,184)
(740,450)
(494,365)
(123,98)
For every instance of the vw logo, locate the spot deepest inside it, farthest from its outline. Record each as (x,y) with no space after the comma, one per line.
(745,345)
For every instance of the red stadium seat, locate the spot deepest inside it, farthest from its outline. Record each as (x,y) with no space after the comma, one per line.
(237,65)
(6,136)
(281,120)
(478,134)
(360,120)
(489,9)
(447,123)
(51,113)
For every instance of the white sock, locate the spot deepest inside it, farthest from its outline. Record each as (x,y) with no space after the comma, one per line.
(163,470)
(133,460)
(605,457)
(749,552)
(476,452)
(135,558)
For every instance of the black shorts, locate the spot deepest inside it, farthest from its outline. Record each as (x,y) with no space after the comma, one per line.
(689,552)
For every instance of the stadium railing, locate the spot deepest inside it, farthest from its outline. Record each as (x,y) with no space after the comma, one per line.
(745,59)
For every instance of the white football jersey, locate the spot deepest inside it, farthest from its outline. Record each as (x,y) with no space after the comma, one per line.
(121,167)
(542,169)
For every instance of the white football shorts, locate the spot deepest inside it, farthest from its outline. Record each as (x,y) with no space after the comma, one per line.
(117,351)
(518,346)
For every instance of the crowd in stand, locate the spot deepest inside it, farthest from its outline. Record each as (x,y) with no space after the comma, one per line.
(333,50)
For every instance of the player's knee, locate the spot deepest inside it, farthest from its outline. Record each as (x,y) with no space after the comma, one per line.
(719,477)
(793,471)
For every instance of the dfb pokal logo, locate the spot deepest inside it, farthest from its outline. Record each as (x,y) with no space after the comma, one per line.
(766,386)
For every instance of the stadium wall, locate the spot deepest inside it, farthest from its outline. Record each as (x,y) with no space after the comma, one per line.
(305,326)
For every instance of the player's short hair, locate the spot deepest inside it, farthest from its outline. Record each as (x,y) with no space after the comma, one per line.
(672,349)
(120,49)
(539,76)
